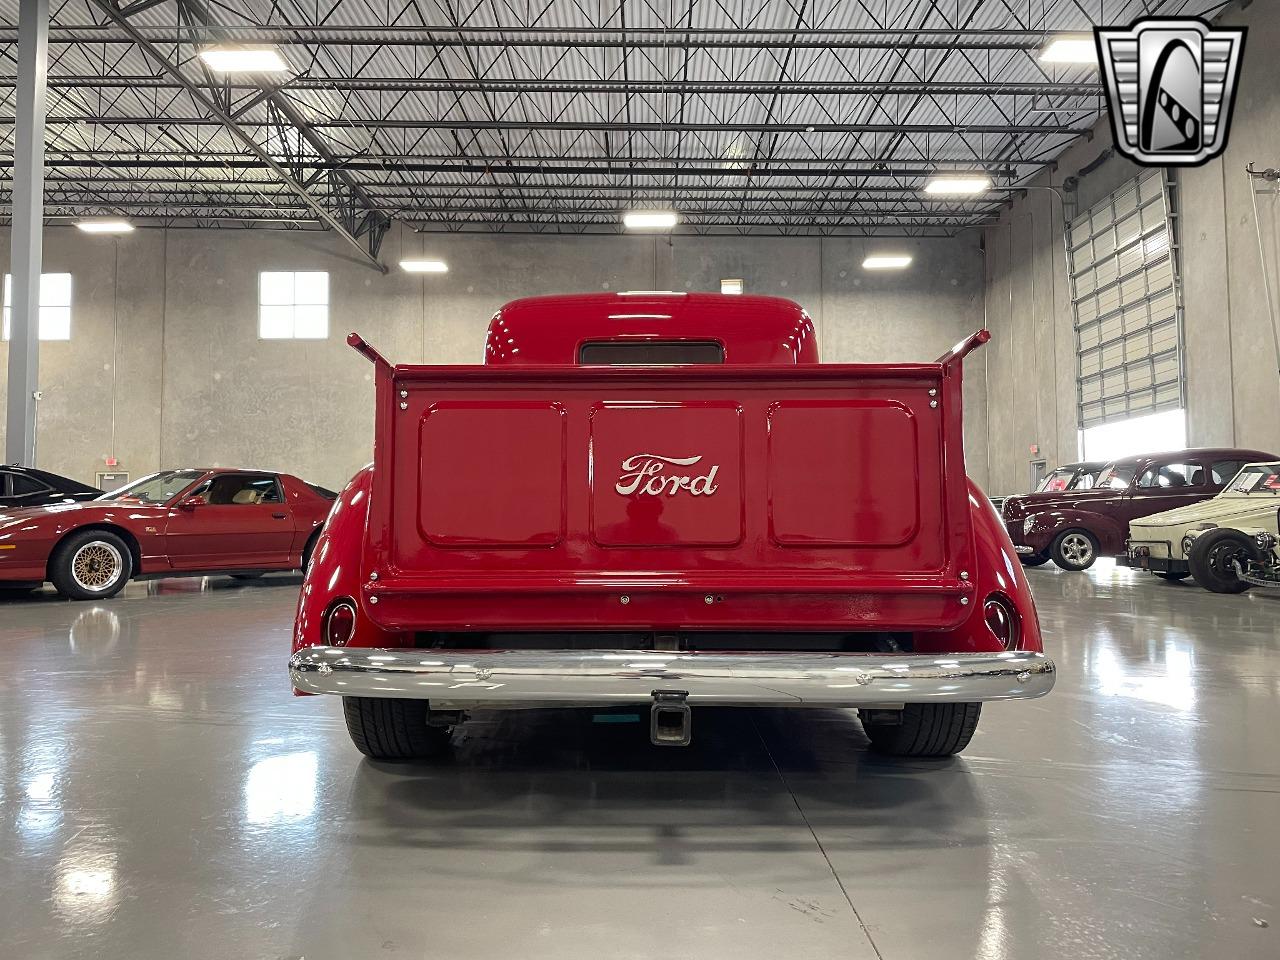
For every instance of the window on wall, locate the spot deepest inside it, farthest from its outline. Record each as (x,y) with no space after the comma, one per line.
(293,305)
(1127,312)
(55,306)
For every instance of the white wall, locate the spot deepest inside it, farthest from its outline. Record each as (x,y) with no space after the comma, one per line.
(164,352)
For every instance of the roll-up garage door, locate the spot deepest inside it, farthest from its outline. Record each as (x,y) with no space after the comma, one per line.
(1126,303)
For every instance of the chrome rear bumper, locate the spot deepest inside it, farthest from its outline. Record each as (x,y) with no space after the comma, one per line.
(596,677)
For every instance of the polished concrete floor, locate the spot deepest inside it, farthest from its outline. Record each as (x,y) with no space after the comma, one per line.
(163,796)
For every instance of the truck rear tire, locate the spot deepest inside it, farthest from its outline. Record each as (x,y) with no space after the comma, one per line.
(1211,560)
(926,730)
(383,728)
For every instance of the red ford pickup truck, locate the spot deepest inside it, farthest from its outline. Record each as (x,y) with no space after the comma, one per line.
(665,500)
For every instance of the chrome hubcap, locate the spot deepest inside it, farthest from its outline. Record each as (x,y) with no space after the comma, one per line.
(1077,548)
(96,566)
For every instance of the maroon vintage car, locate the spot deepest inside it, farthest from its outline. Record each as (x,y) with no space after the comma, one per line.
(665,500)
(1075,527)
(176,523)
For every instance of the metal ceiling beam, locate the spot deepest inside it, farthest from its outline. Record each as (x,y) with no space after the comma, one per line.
(594,36)
(359,212)
(610,214)
(497,168)
(224,119)
(622,87)
(561,192)
(717,228)
(129,157)
(59,205)
(468,123)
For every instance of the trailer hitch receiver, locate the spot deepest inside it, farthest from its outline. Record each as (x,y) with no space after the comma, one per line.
(669,718)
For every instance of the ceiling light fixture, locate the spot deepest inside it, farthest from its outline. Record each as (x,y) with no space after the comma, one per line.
(105,226)
(1077,49)
(957,184)
(886,261)
(239,59)
(650,219)
(424,266)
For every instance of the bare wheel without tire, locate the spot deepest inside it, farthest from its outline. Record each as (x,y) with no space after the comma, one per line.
(383,728)
(1074,550)
(925,730)
(91,565)
(1214,556)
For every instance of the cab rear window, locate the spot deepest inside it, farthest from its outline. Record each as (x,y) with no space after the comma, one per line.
(650,353)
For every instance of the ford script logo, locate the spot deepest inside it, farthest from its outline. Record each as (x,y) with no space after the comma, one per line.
(655,475)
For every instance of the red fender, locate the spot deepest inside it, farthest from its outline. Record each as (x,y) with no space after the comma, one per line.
(999,571)
(336,572)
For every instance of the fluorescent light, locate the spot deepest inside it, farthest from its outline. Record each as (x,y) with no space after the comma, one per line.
(958,184)
(424,266)
(235,59)
(730,286)
(886,261)
(650,219)
(105,226)
(1070,49)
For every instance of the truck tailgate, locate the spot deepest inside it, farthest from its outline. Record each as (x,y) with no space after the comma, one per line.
(805,497)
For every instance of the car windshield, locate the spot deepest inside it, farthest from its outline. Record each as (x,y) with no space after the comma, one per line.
(1116,476)
(1068,478)
(1058,480)
(157,488)
(1258,478)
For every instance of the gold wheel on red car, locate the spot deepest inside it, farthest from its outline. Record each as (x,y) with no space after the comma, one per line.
(96,566)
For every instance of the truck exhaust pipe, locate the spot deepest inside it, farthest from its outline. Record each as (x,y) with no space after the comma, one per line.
(669,718)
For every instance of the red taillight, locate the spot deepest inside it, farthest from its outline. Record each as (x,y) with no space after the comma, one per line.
(1002,620)
(341,625)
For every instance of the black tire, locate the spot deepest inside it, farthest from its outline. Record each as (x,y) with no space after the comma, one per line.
(1211,559)
(1074,550)
(383,728)
(926,730)
(247,576)
(102,556)
(1172,575)
(1033,560)
(310,548)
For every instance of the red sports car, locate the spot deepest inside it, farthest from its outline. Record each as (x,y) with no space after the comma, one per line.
(176,523)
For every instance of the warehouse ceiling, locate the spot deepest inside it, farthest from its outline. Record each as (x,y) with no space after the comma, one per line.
(747,116)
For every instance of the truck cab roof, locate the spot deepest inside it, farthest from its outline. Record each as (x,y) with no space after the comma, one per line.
(652,328)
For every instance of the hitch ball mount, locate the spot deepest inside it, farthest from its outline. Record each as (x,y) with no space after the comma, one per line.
(669,718)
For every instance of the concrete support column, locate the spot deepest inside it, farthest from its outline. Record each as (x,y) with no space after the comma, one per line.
(28,226)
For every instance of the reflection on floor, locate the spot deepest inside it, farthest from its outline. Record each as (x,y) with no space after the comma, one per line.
(162,795)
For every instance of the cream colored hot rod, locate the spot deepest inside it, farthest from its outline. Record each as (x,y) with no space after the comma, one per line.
(1228,544)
